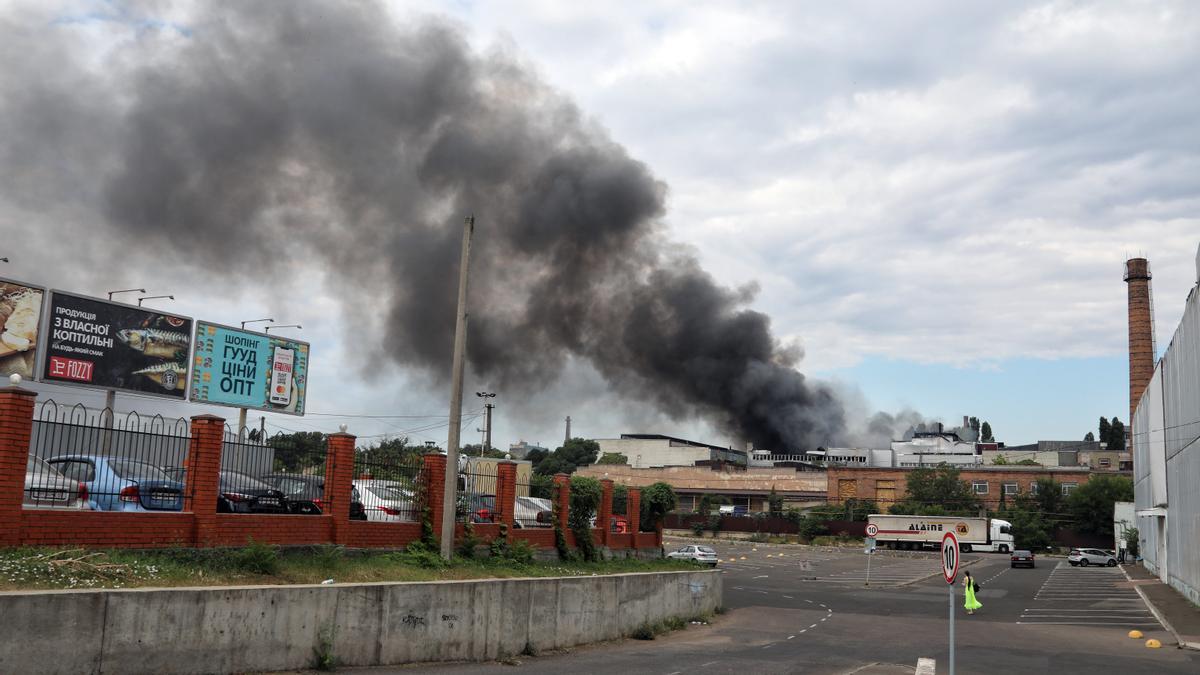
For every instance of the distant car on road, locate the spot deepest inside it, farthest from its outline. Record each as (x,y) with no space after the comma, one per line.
(121,484)
(1022,557)
(704,555)
(1082,557)
(46,488)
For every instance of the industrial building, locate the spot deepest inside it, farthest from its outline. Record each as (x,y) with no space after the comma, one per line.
(747,489)
(648,451)
(989,483)
(1166,435)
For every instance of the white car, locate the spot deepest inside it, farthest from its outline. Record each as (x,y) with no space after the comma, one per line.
(1082,557)
(533,512)
(384,501)
(704,555)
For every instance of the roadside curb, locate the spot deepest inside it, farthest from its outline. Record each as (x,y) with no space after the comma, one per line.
(1183,644)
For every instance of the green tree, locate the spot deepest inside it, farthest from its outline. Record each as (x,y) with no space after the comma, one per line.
(303,450)
(541,486)
(986,432)
(775,503)
(579,451)
(1046,498)
(937,489)
(973,423)
(658,499)
(1000,460)
(1116,435)
(613,458)
(1090,437)
(1091,504)
(1104,429)
(1030,527)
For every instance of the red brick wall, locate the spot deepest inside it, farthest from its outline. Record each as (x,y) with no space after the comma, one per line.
(200,525)
(866,478)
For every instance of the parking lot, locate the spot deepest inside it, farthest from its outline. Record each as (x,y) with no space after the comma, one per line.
(809,610)
(1088,596)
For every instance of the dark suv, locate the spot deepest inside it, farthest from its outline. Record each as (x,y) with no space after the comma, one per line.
(304,488)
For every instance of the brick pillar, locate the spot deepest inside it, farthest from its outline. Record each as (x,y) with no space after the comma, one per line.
(202,467)
(506,493)
(604,517)
(634,513)
(562,498)
(435,487)
(339,479)
(16,427)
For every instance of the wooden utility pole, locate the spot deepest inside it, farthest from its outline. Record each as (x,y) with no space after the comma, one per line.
(450,494)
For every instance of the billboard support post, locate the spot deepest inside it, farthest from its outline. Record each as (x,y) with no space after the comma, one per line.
(450,494)
(110,410)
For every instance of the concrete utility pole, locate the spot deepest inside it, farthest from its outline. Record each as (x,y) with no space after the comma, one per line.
(450,494)
(487,427)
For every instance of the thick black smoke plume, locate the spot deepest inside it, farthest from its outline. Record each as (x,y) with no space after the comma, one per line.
(327,132)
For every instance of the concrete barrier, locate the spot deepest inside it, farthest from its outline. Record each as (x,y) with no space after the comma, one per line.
(251,628)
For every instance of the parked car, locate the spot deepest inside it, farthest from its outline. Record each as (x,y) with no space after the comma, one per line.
(384,501)
(704,555)
(240,493)
(46,488)
(300,488)
(481,508)
(620,524)
(121,484)
(533,512)
(1082,557)
(1022,557)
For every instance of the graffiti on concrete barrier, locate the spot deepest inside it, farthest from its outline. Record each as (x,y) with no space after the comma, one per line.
(449,617)
(412,620)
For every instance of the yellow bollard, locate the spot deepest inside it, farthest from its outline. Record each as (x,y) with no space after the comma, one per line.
(768,555)
(743,557)
(1153,644)
(1135,634)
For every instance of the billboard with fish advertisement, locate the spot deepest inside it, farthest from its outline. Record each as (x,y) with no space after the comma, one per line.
(245,369)
(20,321)
(98,343)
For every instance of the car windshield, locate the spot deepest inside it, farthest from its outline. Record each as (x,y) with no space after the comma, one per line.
(130,469)
(705,549)
(385,492)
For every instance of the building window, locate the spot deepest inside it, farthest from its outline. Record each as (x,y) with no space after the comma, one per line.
(980,487)
(1105,462)
(1068,488)
(1011,489)
(1033,488)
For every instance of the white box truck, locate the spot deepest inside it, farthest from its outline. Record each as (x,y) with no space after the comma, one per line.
(914,532)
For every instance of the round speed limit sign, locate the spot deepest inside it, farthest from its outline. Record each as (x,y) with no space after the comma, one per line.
(950,557)
(872,530)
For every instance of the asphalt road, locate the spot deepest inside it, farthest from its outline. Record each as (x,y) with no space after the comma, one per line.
(802,610)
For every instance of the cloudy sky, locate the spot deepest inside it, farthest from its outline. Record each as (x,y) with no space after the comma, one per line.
(933,200)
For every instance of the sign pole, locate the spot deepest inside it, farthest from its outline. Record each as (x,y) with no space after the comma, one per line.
(872,530)
(241,425)
(950,590)
(950,564)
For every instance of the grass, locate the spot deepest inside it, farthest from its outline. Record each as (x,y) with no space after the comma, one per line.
(41,568)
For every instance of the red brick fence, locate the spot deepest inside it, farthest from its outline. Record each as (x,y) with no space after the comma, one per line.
(199,524)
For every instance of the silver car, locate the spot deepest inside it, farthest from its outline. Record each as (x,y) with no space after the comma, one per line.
(1082,557)
(46,488)
(704,555)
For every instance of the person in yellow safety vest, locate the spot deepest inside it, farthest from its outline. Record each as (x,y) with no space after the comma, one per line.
(969,602)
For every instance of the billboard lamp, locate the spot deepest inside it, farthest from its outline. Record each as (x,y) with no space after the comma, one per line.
(153,297)
(256,321)
(127,290)
(288,325)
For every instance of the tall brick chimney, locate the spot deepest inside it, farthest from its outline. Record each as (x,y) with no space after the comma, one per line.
(1141,330)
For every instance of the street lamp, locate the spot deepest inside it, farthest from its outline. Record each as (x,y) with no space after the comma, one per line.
(287,325)
(256,321)
(153,297)
(127,290)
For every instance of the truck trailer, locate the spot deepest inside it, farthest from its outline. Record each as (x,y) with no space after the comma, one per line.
(915,532)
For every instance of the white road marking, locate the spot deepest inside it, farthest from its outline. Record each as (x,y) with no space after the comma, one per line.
(791,637)
(813,626)
(789,597)
(761,576)
(702,665)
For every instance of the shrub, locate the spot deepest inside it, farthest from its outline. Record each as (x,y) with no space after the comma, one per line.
(657,501)
(466,545)
(257,558)
(420,554)
(698,528)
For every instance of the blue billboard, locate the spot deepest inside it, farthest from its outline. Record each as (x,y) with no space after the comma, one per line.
(244,369)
